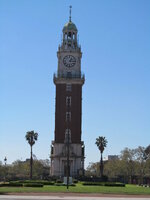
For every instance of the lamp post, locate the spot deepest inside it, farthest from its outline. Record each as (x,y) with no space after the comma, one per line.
(68,142)
(5,162)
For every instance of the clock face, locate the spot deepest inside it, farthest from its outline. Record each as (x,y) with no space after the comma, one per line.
(69,61)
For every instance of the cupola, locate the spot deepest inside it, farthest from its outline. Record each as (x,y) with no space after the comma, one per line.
(70,34)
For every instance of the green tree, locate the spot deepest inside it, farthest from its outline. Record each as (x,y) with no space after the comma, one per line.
(147,152)
(21,169)
(92,169)
(128,158)
(2,171)
(31,137)
(101,143)
(141,160)
(112,168)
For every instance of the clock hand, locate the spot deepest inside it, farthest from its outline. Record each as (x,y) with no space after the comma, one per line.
(70,60)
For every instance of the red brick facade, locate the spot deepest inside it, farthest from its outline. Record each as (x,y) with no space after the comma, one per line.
(74,108)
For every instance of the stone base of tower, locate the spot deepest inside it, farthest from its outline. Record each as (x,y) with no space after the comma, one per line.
(59,159)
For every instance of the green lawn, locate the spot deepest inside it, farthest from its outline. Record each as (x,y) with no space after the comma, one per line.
(79,188)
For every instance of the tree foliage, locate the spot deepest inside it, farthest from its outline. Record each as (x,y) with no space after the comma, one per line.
(101,143)
(132,166)
(20,170)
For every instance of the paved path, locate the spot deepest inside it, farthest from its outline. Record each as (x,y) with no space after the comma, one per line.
(64,197)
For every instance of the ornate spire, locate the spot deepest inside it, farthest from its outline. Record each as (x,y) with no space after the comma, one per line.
(70,13)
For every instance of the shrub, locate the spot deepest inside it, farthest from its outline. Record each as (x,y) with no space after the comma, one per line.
(33,185)
(104,184)
(32,181)
(37,182)
(93,183)
(115,184)
(48,183)
(75,181)
(59,181)
(15,184)
(11,184)
(62,184)
(4,185)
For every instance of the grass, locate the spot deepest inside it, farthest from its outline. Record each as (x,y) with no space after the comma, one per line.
(79,188)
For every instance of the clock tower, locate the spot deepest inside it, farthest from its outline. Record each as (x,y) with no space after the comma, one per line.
(68,106)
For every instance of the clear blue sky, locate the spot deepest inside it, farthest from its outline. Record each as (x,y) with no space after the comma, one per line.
(115,41)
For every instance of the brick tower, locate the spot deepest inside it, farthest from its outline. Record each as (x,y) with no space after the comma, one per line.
(68,106)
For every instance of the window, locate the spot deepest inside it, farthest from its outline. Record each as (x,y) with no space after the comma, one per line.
(69,75)
(65,45)
(73,36)
(68,101)
(68,116)
(52,149)
(68,87)
(82,150)
(68,136)
(68,131)
(65,35)
(69,35)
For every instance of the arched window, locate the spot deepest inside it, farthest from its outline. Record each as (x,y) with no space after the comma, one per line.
(73,36)
(65,36)
(67,136)
(69,35)
(68,101)
(68,87)
(68,116)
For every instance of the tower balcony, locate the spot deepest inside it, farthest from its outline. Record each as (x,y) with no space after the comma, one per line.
(73,78)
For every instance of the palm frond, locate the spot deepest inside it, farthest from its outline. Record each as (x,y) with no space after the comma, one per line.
(101,143)
(31,137)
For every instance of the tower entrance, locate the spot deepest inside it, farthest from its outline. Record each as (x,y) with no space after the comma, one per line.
(66,170)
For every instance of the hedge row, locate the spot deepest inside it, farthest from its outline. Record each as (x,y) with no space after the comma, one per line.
(93,183)
(11,185)
(21,185)
(33,182)
(103,184)
(33,185)
(115,184)
(62,184)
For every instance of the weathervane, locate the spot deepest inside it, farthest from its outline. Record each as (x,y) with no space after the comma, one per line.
(70,14)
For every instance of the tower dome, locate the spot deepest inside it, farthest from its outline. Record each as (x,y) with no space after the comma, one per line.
(70,26)
(70,31)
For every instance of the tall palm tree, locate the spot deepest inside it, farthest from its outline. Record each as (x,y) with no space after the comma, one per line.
(31,137)
(101,143)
